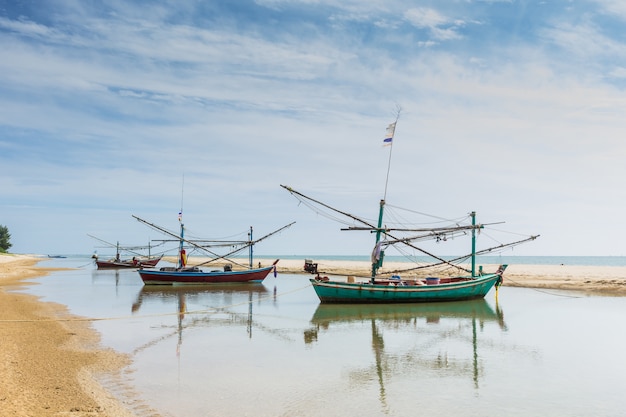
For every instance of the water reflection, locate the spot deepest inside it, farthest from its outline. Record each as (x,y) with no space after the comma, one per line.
(207,304)
(438,328)
(100,275)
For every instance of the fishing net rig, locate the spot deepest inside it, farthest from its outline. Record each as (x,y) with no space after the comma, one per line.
(402,235)
(202,245)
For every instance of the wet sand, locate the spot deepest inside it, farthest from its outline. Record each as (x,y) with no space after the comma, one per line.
(51,362)
(48,359)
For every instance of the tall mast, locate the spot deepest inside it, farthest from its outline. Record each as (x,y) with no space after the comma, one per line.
(181,249)
(378,255)
(473,215)
(182,240)
(250,243)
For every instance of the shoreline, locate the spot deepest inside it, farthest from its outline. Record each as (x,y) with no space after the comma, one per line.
(49,365)
(51,361)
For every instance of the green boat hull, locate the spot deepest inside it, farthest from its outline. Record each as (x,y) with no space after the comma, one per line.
(344,292)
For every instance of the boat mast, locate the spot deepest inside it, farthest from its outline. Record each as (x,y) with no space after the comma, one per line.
(377,258)
(181,250)
(378,255)
(474,227)
(250,243)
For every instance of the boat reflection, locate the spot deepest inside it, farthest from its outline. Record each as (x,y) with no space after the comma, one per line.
(327,314)
(120,277)
(213,294)
(105,274)
(439,338)
(210,303)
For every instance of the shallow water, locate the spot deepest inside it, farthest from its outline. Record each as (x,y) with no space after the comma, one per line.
(271,349)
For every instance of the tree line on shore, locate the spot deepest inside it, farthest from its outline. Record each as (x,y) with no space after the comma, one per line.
(5,239)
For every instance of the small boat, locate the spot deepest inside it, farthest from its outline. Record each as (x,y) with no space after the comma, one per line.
(183,274)
(135,262)
(378,288)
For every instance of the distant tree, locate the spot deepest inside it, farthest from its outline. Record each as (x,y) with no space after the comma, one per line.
(5,238)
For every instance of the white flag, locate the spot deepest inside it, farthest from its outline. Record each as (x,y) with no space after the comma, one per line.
(390,131)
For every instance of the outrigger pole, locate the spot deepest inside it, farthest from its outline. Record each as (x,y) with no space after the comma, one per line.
(465,257)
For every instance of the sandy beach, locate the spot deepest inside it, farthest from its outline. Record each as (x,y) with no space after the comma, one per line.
(50,362)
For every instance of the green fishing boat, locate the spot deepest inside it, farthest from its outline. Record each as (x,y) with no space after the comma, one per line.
(389,286)
(407,291)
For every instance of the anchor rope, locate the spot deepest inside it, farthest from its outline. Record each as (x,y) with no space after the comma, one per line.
(544,291)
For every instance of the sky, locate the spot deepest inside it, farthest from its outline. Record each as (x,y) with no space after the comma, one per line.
(109,109)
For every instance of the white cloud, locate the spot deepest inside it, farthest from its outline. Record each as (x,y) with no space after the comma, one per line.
(440,27)
(614,7)
(422,17)
(584,40)
(618,72)
(26,27)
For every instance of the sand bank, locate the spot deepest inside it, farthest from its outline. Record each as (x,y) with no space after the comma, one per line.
(48,366)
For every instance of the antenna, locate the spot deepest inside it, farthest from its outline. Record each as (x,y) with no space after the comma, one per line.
(182,195)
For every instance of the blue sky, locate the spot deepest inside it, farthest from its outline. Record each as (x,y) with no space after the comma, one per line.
(513,109)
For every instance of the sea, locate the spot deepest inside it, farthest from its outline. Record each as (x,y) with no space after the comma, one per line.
(271,349)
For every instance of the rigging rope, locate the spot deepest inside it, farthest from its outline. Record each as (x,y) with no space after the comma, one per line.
(440,219)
